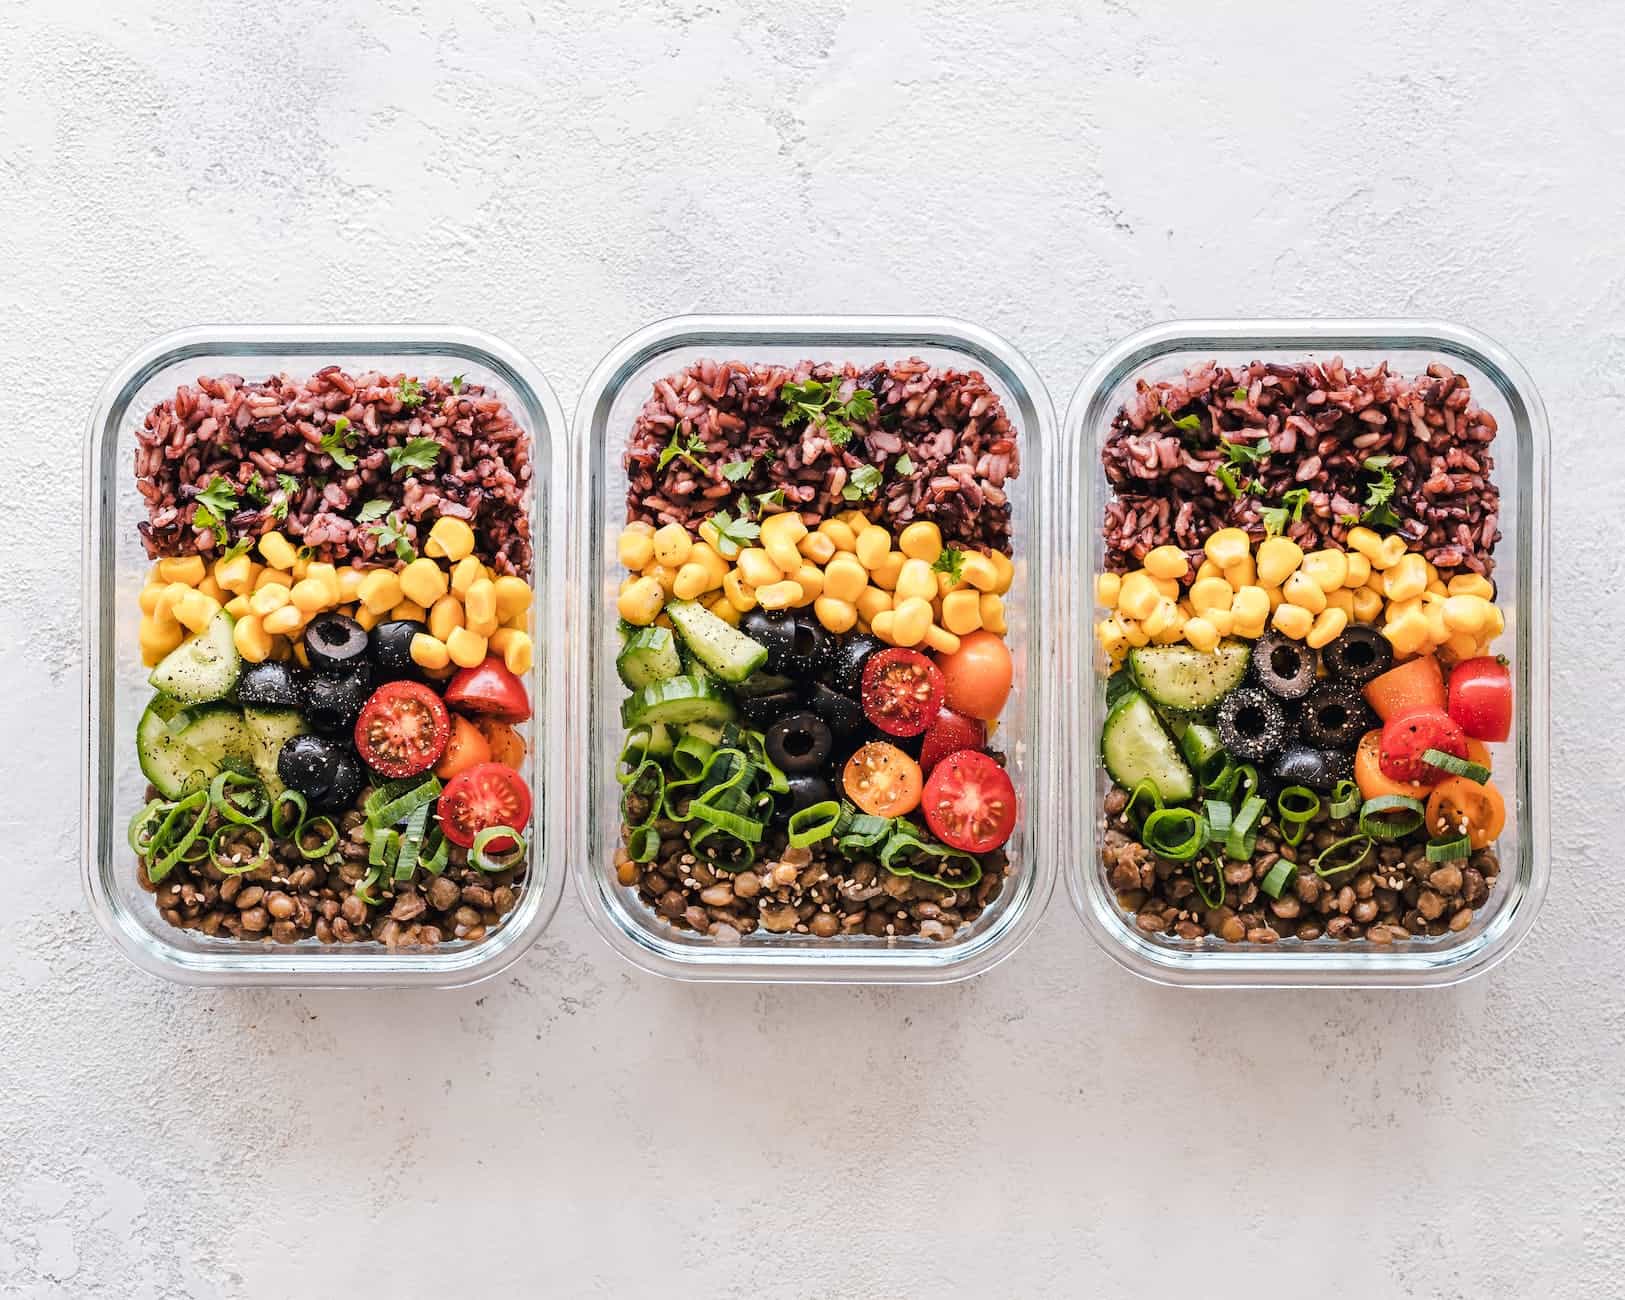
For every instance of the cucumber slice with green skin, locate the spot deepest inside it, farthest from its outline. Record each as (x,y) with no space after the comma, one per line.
(271,729)
(202,668)
(1182,677)
(724,650)
(709,732)
(678,700)
(165,761)
(661,741)
(181,749)
(649,655)
(1202,748)
(1136,747)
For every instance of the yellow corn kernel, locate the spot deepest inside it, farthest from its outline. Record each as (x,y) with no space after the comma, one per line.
(1005,568)
(1107,586)
(189,569)
(783,527)
(1365,541)
(840,533)
(1342,599)
(301,566)
(1134,631)
(1201,633)
(1435,584)
(640,526)
(872,601)
(1390,553)
(915,578)
(284,621)
(445,615)
(465,649)
(810,578)
(253,642)
(1226,546)
(1275,597)
(1466,613)
(272,578)
(170,597)
(890,568)
(1163,618)
(740,596)
(1249,607)
(872,546)
(1243,573)
(1329,625)
(692,582)
(1302,590)
(1359,572)
(640,601)
(235,574)
(921,540)
(277,551)
(913,617)
(464,574)
(817,547)
(310,595)
(836,615)
(1109,632)
(429,652)
(238,607)
(367,618)
(195,609)
(941,640)
(518,652)
(719,606)
(212,589)
(150,595)
(1494,622)
(1406,579)
(1292,620)
(327,575)
(1408,633)
(635,548)
(784,554)
(380,591)
(672,545)
(1461,646)
(1166,587)
(962,612)
(301,654)
(1137,596)
(1367,605)
(978,571)
(1208,569)
(1222,619)
(991,608)
(514,594)
(424,581)
(1471,584)
(1329,568)
(350,580)
(882,625)
(1377,582)
(663,574)
(158,639)
(1166,562)
(756,567)
(1169,635)
(857,521)
(1210,593)
(519,620)
(1278,559)
(779,595)
(449,539)
(845,579)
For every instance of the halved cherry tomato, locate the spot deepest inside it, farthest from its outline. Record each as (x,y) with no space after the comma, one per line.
(1458,805)
(467,748)
(491,689)
(901,692)
(491,794)
(949,734)
(1410,735)
(1415,684)
(1481,698)
(1368,774)
(506,746)
(402,729)
(969,802)
(882,780)
(1478,752)
(977,675)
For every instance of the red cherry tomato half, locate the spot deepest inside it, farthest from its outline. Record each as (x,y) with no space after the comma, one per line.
(977,675)
(1410,735)
(901,692)
(949,734)
(1481,698)
(969,803)
(489,688)
(402,729)
(484,796)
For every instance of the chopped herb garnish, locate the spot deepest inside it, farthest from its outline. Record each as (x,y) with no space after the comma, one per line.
(766,499)
(456,383)
(1226,475)
(1191,423)
(288,483)
(287,489)
(337,440)
(1292,504)
(377,508)
(951,562)
(410,392)
(391,532)
(1246,453)
(735,470)
(1378,494)
(419,453)
(903,465)
(1240,395)
(733,534)
(239,547)
(254,491)
(684,445)
(814,403)
(864,483)
(217,500)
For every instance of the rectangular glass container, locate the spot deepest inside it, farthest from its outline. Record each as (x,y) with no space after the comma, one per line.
(1521,449)
(116,689)
(609,405)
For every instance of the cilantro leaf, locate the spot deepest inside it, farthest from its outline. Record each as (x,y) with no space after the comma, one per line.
(686,448)
(1274,518)
(239,547)
(735,470)
(1246,453)
(1226,475)
(733,534)
(336,442)
(219,496)
(1240,395)
(813,403)
(410,393)
(456,383)
(1378,511)
(288,483)
(903,465)
(1297,498)
(1191,423)
(952,562)
(766,499)
(254,491)
(1292,504)
(419,453)
(377,508)
(391,532)
(287,489)
(864,483)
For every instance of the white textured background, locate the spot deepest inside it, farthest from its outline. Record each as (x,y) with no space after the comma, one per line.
(559,173)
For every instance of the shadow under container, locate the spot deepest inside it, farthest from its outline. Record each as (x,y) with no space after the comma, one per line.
(609,406)
(116,689)
(1521,448)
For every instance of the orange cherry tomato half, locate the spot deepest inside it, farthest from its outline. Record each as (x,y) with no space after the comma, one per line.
(1458,805)
(977,676)
(1371,779)
(506,746)
(467,748)
(1415,684)
(882,780)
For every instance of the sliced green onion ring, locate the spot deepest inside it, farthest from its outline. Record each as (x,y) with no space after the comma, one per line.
(1203,750)
(1345,798)
(282,826)
(328,843)
(633,752)
(1378,819)
(1475,772)
(1449,850)
(813,823)
(253,807)
(1174,833)
(1305,803)
(152,815)
(363,887)
(385,845)
(1146,790)
(492,862)
(1208,900)
(172,854)
(648,785)
(1293,832)
(231,867)
(643,844)
(1219,815)
(406,861)
(1328,862)
(437,852)
(392,804)
(690,755)
(1276,878)
(729,821)
(860,830)
(1243,836)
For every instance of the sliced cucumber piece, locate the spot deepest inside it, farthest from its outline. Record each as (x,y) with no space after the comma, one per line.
(661,741)
(182,748)
(649,655)
(202,668)
(722,648)
(1183,677)
(709,732)
(1136,748)
(678,700)
(271,729)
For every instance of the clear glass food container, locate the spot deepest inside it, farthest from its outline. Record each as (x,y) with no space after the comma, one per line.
(1499,385)
(610,403)
(116,687)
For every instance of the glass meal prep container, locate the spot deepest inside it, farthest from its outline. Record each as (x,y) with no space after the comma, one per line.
(1520,447)
(116,688)
(609,406)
